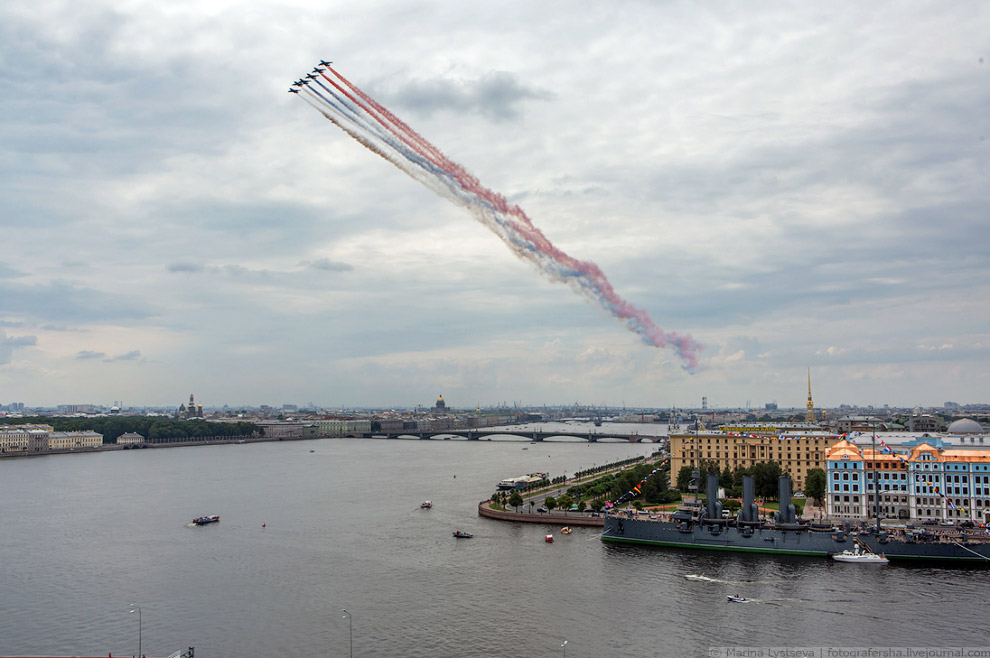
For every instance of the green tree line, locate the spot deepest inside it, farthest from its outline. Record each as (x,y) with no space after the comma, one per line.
(150,427)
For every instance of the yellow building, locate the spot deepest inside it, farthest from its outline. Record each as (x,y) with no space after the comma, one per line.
(73,440)
(797,452)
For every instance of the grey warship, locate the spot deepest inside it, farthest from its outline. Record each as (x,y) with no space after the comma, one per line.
(698,526)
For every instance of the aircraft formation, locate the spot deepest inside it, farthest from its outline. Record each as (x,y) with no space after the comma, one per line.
(381,132)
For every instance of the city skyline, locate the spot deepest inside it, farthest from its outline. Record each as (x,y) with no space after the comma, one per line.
(795,186)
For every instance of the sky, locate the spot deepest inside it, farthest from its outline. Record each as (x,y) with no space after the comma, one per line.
(794,185)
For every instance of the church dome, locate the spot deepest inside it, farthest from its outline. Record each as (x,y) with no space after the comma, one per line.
(440,403)
(965,426)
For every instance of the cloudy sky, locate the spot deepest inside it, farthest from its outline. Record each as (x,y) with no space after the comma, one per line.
(794,185)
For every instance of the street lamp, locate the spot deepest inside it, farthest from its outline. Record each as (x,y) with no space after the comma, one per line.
(564,648)
(138,608)
(350,635)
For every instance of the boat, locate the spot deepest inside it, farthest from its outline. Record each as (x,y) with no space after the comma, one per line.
(426,504)
(548,539)
(460,534)
(566,530)
(203,520)
(737,599)
(702,526)
(522,481)
(860,556)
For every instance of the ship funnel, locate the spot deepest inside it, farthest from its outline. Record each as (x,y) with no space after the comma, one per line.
(749,513)
(786,513)
(714,510)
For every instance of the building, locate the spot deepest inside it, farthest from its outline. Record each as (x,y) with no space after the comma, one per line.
(74,440)
(281,429)
(22,439)
(797,449)
(129,439)
(926,483)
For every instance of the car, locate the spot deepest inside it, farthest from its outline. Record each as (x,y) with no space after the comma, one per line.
(967,524)
(929,522)
(542,510)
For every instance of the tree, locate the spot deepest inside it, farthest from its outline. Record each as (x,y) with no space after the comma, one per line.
(532,504)
(597,505)
(515,500)
(550,503)
(565,502)
(684,477)
(814,485)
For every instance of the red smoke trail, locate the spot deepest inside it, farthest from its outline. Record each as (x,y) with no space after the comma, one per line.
(600,287)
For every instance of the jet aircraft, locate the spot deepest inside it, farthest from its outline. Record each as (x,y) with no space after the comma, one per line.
(322,63)
(312,76)
(293,91)
(317,69)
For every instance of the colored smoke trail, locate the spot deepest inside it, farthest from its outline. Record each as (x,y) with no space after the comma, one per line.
(380,131)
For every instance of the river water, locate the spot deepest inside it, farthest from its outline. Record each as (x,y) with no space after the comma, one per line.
(85,537)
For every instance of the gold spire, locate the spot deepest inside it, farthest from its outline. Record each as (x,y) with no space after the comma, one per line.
(809,416)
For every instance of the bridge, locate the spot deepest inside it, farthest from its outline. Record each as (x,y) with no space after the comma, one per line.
(538,436)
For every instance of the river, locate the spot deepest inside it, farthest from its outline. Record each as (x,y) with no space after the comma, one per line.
(85,537)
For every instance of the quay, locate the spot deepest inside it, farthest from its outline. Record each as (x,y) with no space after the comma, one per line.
(577,519)
(536,436)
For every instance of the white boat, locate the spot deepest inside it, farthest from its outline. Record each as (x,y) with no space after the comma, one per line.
(861,556)
(737,599)
(426,504)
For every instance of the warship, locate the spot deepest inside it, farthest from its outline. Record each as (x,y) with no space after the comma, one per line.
(703,526)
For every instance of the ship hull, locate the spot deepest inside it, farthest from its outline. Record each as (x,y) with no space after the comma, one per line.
(770,540)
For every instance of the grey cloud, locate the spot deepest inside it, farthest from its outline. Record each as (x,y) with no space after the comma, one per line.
(7,345)
(7,272)
(133,355)
(61,301)
(495,95)
(88,354)
(327,265)
(184,267)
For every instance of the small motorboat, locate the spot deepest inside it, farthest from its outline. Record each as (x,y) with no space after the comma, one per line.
(203,520)
(460,534)
(566,530)
(548,539)
(860,556)
(737,599)
(426,504)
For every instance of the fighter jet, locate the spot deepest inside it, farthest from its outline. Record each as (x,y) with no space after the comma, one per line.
(293,91)
(318,70)
(312,76)
(322,63)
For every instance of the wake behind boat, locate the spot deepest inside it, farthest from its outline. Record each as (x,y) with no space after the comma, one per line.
(203,520)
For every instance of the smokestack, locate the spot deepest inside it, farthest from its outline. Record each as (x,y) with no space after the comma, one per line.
(714,506)
(750,513)
(786,513)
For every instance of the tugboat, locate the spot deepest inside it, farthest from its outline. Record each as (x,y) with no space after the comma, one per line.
(203,520)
